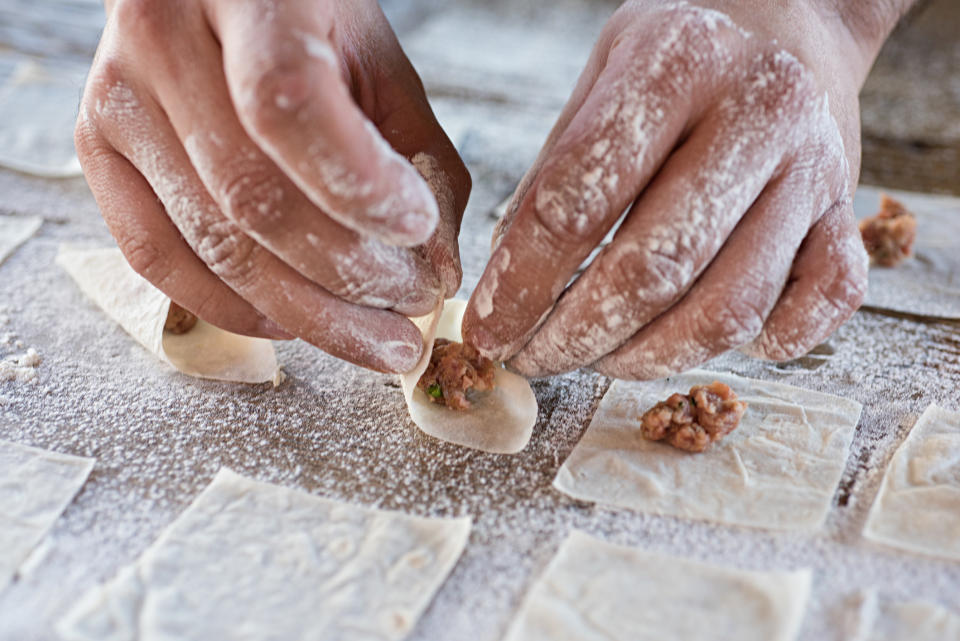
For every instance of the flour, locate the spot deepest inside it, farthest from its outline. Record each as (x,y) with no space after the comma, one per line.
(21,368)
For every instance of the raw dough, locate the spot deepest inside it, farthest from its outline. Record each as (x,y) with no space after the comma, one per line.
(928,284)
(250,560)
(35,487)
(205,351)
(38,110)
(596,591)
(500,421)
(778,470)
(15,231)
(911,621)
(916,621)
(918,507)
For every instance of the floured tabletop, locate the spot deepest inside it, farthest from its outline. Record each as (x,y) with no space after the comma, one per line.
(498,73)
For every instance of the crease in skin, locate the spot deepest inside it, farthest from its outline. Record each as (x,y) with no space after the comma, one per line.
(773,118)
(347,329)
(369,272)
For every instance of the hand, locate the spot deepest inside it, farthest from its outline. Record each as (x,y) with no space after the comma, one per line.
(251,160)
(732,140)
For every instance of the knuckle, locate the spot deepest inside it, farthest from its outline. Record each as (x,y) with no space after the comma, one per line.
(86,140)
(253,199)
(107,73)
(273,89)
(657,274)
(781,84)
(848,289)
(229,253)
(733,323)
(144,257)
(778,347)
(570,213)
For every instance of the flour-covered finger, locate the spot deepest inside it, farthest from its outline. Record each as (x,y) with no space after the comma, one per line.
(730,302)
(827,285)
(642,103)
(585,83)
(682,220)
(411,128)
(154,247)
(260,199)
(288,80)
(377,339)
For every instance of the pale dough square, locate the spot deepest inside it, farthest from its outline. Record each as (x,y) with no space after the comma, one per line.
(927,283)
(778,470)
(916,621)
(596,591)
(38,113)
(14,231)
(35,487)
(881,620)
(918,507)
(255,561)
(141,309)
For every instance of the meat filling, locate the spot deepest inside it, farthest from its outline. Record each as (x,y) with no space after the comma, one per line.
(889,235)
(455,369)
(179,320)
(691,422)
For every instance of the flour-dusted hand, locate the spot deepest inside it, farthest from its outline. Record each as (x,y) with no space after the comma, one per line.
(731,140)
(275,168)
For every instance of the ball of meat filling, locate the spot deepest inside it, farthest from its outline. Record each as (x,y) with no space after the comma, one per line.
(889,235)
(179,320)
(691,422)
(455,369)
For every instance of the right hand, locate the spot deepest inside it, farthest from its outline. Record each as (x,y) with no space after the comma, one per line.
(251,160)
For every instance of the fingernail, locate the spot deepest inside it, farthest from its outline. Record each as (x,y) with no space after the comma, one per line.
(420,302)
(272,330)
(485,342)
(399,356)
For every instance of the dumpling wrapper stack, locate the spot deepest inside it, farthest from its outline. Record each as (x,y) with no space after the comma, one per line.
(206,351)
(500,421)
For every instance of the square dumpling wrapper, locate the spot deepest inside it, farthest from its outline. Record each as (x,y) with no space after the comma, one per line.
(597,591)
(778,470)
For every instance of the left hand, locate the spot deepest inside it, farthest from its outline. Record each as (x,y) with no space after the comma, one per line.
(733,142)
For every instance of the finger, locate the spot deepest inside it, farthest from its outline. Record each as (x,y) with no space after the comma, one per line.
(402,113)
(827,285)
(612,147)
(292,99)
(252,191)
(729,304)
(137,128)
(154,247)
(681,221)
(585,84)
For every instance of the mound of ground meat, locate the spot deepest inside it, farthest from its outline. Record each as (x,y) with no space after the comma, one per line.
(179,320)
(889,235)
(454,369)
(691,422)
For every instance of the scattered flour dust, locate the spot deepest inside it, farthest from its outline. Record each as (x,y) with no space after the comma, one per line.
(20,367)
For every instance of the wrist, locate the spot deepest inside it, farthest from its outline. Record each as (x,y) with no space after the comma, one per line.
(869,23)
